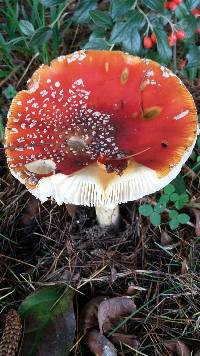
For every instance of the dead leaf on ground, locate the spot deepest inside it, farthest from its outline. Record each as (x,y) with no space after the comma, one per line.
(111,310)
(178,347)
(130,340)
(99,345)
(88,316)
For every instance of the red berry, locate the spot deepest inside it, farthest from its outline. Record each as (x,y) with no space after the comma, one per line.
(180,34)
(166,4)
(177,2)
(172,39)
(171,5)
(195,12)
(147,42)
(153,38)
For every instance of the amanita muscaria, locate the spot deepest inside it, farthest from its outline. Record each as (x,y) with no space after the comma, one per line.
(99,128)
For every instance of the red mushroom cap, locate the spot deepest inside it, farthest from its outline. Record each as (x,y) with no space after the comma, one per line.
(99,108)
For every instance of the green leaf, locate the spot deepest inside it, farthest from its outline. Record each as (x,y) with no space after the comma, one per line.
(164,199)
(157,5)
(145,209)
(179,184)
(173,214)
(193,56)
(155,219)
(159,208)
(183,218)
(119,8)
(188,24)
(163,48)
(173,224)
(101,18)
(174,197)
(127,33)
(49,3)
(132,43)
(49,322)
(82,12)
(41,36)
(135,19)
(97,43)
(182,200)
(9,92)
(169,189)
(192,3)
(26,27)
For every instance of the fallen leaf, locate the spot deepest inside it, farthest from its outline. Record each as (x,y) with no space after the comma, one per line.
(111,310)
(99,345)
(49,322)
(165,239)
(130,340)
(88,316)
(178,347)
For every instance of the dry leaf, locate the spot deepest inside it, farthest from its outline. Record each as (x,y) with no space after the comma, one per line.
(197,225)
(179,348)
(165,239)
(111,310)
(99,345)
(88,316)
(130,340)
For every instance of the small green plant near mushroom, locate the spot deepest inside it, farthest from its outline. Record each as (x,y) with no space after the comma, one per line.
(170,202)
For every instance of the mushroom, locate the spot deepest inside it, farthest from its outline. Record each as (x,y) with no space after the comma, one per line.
(100,128)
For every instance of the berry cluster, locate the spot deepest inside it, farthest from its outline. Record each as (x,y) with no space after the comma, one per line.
(148,42)
(172,4)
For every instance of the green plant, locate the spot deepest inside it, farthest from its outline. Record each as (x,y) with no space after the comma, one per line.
(168,200)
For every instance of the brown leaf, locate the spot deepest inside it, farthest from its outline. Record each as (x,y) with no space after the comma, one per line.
(178,347)
(197,225)
(130,340)
(165,239)
(88,316)
(99,345)
(111,310)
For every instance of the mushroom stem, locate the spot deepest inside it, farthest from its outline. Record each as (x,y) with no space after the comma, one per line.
(107,216)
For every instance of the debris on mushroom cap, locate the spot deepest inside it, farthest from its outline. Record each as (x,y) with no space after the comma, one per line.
(100,127)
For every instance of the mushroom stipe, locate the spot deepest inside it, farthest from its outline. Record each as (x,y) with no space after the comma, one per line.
(99,128)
